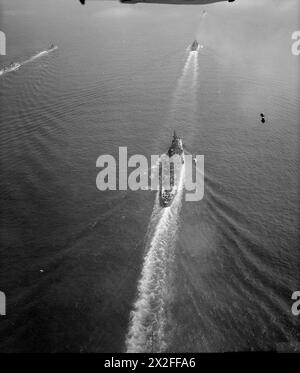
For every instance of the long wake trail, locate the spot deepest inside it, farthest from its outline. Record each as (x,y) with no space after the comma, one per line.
(18,65)
(149,322)
(148,319)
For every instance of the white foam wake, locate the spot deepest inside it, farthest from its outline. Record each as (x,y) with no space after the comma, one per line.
(147,329)
(31,59)
(39,55)
(182,78)
(186,88)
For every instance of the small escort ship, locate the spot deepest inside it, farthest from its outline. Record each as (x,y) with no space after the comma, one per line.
(166,196)
(194,46)
(52,48)
(13,66)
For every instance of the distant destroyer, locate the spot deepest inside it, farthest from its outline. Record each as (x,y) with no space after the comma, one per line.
(13,66)
(52,47)
(195,46)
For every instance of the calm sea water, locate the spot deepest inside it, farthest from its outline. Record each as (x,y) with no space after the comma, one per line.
(92,271)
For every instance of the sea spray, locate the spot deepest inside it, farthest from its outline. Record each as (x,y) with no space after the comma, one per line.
(184,97)
(40,54)
(148,320)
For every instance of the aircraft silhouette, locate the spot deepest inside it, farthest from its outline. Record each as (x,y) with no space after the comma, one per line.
(182,2)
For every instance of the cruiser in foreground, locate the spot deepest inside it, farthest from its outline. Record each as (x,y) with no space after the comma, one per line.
(166,196)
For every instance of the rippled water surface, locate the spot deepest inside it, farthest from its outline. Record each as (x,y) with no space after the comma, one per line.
(85,270)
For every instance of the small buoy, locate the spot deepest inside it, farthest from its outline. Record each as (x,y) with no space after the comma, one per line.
(41,270)
(262,115)
(263,120)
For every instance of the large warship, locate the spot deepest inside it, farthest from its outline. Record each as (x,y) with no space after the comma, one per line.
(166,195)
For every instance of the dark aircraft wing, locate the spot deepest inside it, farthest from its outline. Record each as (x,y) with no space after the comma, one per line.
(183,2)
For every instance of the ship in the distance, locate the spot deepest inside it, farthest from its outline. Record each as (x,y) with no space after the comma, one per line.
(166,195)
(13,66)
(194,46)
(52,47)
